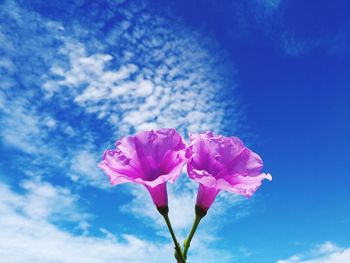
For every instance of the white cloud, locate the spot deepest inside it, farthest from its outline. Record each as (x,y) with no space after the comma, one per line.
(40,136)
(185,100)
(327,252)
(40,201)
(44,201)
(28,233)
(20,124)
(83,169)
(164,76)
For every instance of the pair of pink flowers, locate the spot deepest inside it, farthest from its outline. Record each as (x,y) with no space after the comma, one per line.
(152,158)
(217,163)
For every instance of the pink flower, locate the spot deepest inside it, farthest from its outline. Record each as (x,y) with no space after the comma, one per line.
(221,163)
(150,158)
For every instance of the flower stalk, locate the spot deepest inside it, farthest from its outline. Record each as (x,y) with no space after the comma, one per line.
(200,213)
(178,252)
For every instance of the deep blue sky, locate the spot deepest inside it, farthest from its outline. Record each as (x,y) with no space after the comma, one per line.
(76,75)
(297,105)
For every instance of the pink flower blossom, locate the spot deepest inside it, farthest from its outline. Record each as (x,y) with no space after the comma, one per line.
(222,163)
(150,158)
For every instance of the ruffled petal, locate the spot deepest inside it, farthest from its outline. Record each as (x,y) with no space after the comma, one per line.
(247,163)
(118,167)
(223,163)
(150,158)
(201,176)
(243,185)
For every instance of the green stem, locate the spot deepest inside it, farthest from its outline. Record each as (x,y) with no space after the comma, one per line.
(200,213)
(178,253)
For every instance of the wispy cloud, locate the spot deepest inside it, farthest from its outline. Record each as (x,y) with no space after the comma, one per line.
(42,201)
(36,232)
(28,232)
(327,252)
(40,135)
(174,83)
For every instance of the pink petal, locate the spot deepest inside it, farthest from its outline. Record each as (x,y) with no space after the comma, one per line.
(206,196)
(159,194)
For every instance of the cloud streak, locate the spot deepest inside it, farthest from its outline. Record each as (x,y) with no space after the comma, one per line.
(327,252)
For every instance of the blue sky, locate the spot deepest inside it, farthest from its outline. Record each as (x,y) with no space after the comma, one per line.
(77,75)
